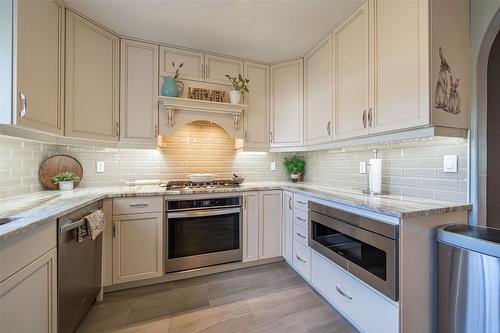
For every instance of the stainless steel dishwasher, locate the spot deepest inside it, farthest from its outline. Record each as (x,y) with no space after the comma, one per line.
(469,279)
(78,270)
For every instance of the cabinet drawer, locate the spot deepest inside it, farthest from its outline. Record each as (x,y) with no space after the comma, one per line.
(20,250)
(137,205)
(300,202)
(365,308)
(302,259)
(300,234)
(300,218)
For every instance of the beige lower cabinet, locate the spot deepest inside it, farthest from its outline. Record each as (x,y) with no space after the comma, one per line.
(28,299)
(39,68)
(92,80)
(137,246)
(262,225)
(270,212)
(138,92)
(288,226)
(250,226)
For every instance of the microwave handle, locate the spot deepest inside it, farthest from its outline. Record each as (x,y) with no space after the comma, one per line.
(203,213)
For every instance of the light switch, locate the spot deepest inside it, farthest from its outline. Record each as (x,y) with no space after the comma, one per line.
(450,163)
(362,167)
(99,166)
(273,166)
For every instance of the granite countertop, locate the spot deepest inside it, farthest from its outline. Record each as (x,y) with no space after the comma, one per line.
(41,207)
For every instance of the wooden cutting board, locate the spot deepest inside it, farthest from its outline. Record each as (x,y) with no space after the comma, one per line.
(56,164)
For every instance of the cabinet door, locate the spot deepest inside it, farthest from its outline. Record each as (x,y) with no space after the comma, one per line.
(402,77)
(318,91)
(137,247)
(40,65)
(193,68)
(352,75)
(287,91)
(138,92)
(28,299)
(256,116)
(250,226)
(270,211)
(288,226)
(216,69)
(92,85)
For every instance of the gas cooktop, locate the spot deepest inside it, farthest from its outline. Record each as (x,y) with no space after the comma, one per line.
(188,185)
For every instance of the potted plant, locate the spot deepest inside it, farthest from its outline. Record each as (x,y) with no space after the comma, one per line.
(240,86)
(65,180)
(171,87)
(295,165)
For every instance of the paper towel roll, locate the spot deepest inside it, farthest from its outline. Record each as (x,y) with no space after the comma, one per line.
(375,180)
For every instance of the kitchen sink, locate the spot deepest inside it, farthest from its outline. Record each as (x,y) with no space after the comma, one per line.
(5,220)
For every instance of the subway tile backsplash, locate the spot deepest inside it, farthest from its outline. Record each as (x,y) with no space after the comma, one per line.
(412,167)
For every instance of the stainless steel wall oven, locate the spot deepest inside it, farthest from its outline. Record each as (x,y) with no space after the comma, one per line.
(365,247)
(202,230)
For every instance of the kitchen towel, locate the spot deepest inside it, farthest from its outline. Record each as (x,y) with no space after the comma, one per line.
(375,180)
(95,223)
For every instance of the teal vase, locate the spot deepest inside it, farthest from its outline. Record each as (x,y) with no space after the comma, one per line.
(171,87)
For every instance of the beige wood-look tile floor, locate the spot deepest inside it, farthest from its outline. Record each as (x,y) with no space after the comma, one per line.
(269,298)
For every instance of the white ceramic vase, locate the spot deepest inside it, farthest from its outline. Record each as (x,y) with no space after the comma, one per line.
(234,97)
(66,185)
(294,177)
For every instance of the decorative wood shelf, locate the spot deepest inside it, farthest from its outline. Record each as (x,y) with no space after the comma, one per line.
(197,105)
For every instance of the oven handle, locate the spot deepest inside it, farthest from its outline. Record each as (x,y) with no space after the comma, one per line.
(202,213)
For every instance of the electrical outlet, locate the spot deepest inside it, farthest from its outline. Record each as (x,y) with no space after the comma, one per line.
(273,166)
(450,163)
(362,167)
(99,166)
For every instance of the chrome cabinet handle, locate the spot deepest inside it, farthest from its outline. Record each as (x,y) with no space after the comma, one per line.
(328,127)
(301,236)
(114,229)
(343,293)
(140,204)
(23,108)
(202,70)
(301,219)
(271,136)
(301,202)
(300,259)
(156,130)
(364,118)
(290,203)
(117,125)
(370,118)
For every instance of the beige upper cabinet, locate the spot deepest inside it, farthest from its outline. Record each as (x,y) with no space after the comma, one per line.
(352,75)
(270,210)
(92,80)
(318,92)
(256,115)
(138,92)
(137,247)
(40,64)
(216,69)
(194,63)
(401,63)
(287,106)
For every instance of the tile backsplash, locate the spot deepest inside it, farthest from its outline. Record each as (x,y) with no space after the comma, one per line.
(411,167)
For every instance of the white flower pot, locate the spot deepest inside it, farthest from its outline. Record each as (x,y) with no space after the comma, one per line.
(234,97)
(66,185)
(294,177)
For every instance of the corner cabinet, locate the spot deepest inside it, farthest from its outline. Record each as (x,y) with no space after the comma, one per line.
(256,115)
(92,80)
(40,65)
(138,92)
(28,298)
(318,93)
(137,247)
(287,104)
(351,72)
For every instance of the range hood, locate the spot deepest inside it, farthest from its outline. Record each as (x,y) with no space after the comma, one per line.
(176,112)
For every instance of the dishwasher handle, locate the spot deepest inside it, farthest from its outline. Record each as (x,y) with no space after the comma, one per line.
(73,225)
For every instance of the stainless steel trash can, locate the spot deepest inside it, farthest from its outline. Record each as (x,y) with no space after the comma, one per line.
(468,279)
